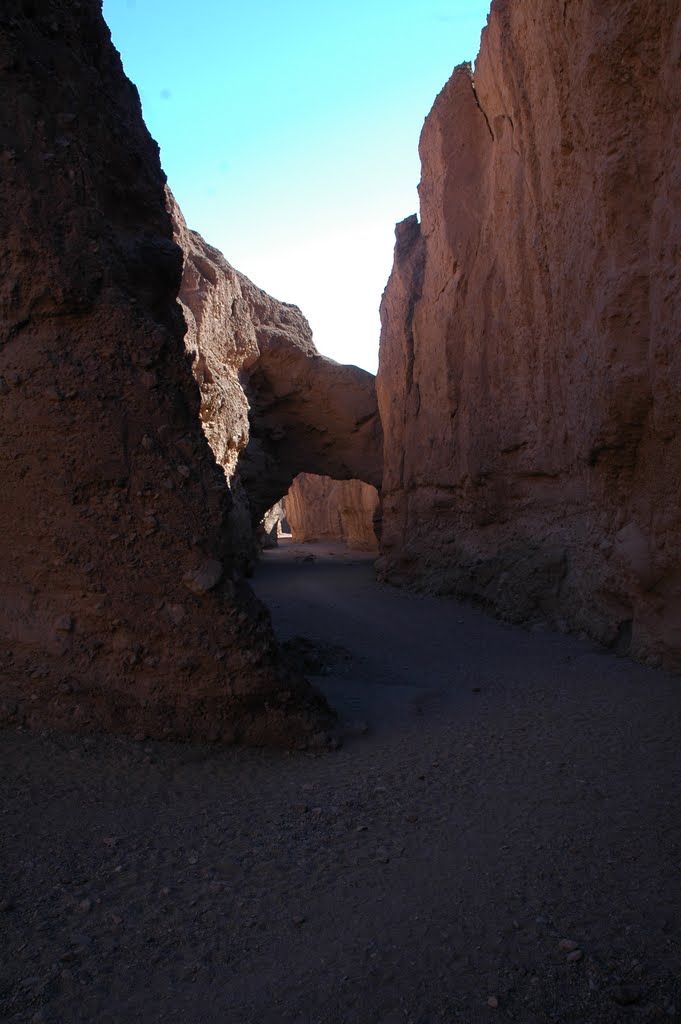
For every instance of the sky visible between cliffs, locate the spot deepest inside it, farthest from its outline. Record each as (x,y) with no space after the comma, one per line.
(289,134)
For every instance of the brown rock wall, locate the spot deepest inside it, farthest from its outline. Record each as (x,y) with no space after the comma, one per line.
(319,508)
(530,370)
(121,604)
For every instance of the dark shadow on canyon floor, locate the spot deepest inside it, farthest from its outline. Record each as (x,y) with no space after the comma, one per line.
(508,829)
(389,656)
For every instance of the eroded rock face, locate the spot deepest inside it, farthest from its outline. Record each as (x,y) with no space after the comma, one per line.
(120,607)
(319,508)
(530,368)
(272,406)
(271,526)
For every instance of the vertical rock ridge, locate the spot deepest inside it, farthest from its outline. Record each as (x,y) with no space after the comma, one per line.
(121,603)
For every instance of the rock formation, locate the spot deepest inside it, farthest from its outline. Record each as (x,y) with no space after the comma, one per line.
(271,526)
(530,366)
(271,405)
(319,508)
(121,606)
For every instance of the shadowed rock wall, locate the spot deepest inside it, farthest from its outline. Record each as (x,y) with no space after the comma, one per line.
(121,606)
(319,508)
(530,366)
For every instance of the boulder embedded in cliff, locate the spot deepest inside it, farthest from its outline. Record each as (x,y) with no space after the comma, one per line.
(530,372)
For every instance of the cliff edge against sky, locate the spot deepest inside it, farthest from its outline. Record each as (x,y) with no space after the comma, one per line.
(530,366)
(122,602)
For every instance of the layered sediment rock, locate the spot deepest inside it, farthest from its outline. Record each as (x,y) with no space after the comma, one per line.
(120,606)
(319,508)
(271,405)
(530,367)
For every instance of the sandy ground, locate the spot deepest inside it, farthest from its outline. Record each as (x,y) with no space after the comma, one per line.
(502,843)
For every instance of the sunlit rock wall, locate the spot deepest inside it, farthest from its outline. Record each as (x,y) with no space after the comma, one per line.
(319,508)
(530,366)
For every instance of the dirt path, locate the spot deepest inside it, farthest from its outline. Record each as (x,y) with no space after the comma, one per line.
(515,789)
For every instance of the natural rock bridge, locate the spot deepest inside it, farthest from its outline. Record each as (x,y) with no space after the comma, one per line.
(271,406)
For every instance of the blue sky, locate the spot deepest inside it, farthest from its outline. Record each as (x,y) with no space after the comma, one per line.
(289,134)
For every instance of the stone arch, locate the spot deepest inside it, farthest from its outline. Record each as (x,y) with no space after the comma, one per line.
(271,406)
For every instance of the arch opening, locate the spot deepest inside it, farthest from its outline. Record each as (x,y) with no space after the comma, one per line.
(319,508)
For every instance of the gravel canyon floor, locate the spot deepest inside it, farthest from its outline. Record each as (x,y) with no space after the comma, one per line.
(498,837)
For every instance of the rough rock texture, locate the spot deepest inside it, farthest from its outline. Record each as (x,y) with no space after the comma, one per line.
(119,606)
(530,368)
(271,526)
(271,405)
(319,508)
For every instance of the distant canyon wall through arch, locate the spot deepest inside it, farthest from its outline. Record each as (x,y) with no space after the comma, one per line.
(530,365)
(319,508)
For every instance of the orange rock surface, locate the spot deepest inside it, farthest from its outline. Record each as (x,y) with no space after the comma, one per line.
(319,508)
(530,366)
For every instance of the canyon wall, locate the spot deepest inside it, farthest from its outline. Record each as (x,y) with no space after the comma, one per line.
(530,365)
(121,601)
(319,508)
(271,405)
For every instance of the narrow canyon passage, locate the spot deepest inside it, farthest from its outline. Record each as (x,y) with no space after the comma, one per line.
(498,835)
(515,791)
(389,656)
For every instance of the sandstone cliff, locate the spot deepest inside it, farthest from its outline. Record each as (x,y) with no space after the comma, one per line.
(271,405)
(319,508)
(530,367)
(121,606)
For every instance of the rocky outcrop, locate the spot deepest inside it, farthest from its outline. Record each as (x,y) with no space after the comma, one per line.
(121,606)
(271,405)
(271,526)
(319,508)
(530,370)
